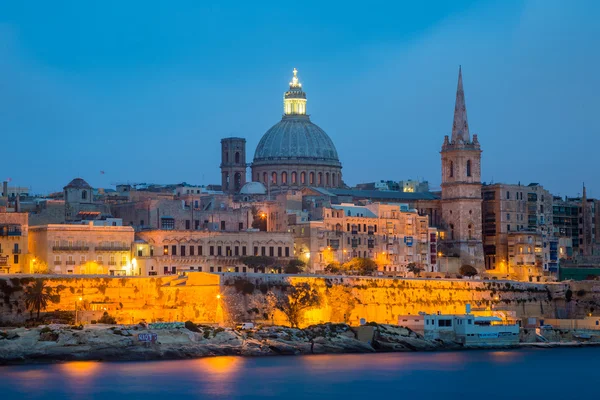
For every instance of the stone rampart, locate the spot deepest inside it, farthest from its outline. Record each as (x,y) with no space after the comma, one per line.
(228,298)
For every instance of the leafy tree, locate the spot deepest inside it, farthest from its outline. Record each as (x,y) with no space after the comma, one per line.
(334,268)
(294,267)
(414,268)
(107,319)
(295,300)
(37,296)
(260,262)
(361,266)
(39,267)
(468,270)
(259,219)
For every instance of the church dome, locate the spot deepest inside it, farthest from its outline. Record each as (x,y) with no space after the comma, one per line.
(295,138)
(253,188)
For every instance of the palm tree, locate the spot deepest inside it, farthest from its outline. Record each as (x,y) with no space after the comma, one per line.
(37,296)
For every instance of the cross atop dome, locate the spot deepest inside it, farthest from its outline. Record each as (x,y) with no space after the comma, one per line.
(294,83)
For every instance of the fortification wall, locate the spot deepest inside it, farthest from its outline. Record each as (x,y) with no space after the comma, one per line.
(229,298)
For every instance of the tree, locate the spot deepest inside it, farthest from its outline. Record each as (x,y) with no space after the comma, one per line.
(468,270)
(414,268)
(107,319)
(294,267)
(261,262)
(361,266)
(333,268)
(259,219)
(37,296)
(39,267)
(295,300)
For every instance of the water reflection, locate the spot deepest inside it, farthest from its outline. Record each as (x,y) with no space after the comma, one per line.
(218,373)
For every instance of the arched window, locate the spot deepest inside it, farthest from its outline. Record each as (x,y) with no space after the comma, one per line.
(326,178)
(451,231)
(265,177)
(237,157)
(274,178)
(294,177)
(303,178)
(333,180)
(468,167)
(257,177)
(312,178)
(284,178)
(226,156)
(320,179)
(84,195)
(470,231)
(451,169)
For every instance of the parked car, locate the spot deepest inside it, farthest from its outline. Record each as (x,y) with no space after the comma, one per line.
(546,327)
(244,326)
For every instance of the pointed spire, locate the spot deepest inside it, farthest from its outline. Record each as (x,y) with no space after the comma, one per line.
(460,127)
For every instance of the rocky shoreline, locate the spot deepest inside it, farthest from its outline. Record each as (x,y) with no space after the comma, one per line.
(55,343)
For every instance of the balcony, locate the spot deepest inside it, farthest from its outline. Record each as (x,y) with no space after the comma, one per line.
(56,262)
(112,263)
(16,251)
(70,248)
(112,248)
(354,232)
(99,262)
(70,262)
(123,263)
(371,233)
(10,233)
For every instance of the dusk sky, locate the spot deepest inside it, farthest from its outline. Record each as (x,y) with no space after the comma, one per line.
(145,90)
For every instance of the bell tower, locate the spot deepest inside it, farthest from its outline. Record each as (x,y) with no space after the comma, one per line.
(461,188)
(233,164)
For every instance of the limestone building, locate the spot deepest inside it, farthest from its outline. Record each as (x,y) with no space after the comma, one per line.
(160,252)
(295,152)
(461,188)
(392,235)
(83,249)
(13,243)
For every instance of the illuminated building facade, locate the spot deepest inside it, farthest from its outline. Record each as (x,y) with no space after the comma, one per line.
(13,242)
(84,249)
(163,252)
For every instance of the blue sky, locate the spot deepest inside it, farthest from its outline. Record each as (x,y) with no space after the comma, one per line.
(144,90)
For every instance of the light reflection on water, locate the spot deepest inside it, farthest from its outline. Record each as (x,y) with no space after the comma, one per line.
(451,375)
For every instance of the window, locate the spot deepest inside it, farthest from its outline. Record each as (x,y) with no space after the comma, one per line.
(236,250)
(222,225)
(287,251)
(84,195)
(219,251)
(507,195)
(187,224)
(468,167)
(167,223)
(508,217)
(263,251)
(274,178)
(284,178)
(303,178)
(327,179)
(255,250)
(470,232)
(444,322)
(237,157)
(320,179)
(271,251)
(244,250)
(227,251)
(312,178)
(451,231)
(212,250)
(265,177)
(183,251)
(191,250)
(333,180)
(199,250)
(451,169)
(294,177)
(241,226)
(279,251)
(173,250)
(16,259)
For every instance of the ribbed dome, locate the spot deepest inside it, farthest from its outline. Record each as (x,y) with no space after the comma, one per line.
(253,188)
(78,183)
(296,139)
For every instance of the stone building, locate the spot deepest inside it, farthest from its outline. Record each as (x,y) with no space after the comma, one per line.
(83,249)
(521,214)
(461,188)
(392,235)
(161,252)
(13,243)
(295,152)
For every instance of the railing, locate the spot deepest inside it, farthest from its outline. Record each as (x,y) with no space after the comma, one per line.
(112,263)
(16,251)
(99,262)
(70,262)
(70,248)
(112,248)
(123,263)
(10,233)
(57,262)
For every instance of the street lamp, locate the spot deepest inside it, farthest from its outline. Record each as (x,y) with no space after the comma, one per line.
(76,303)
